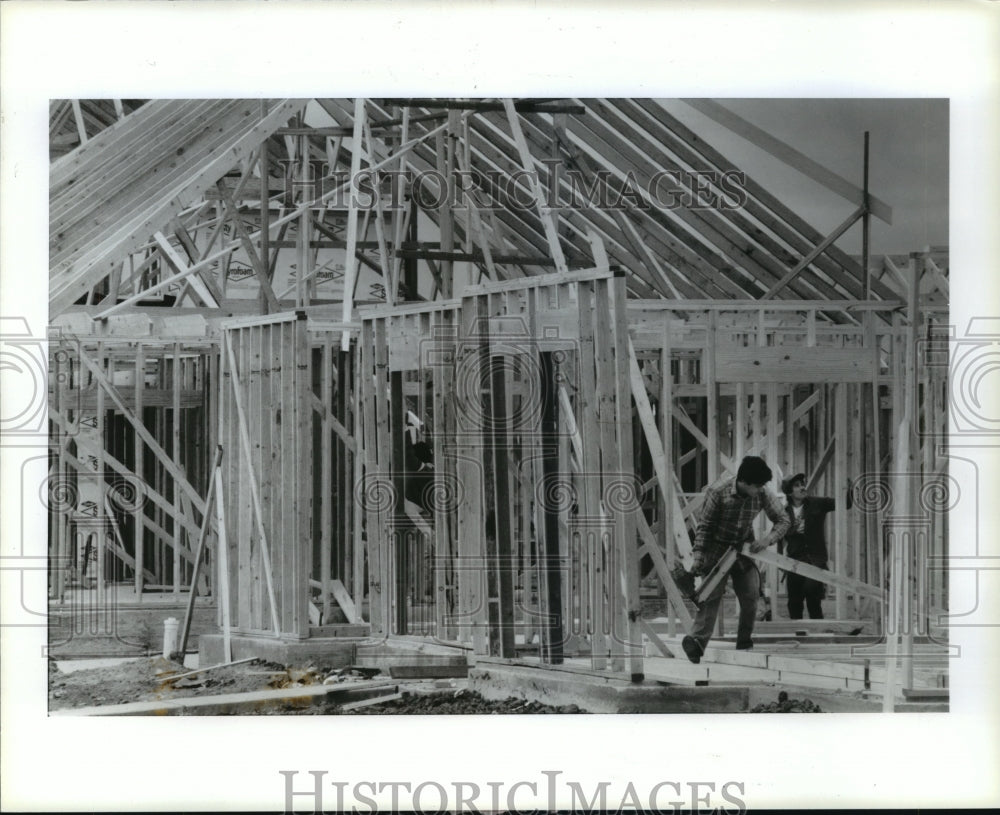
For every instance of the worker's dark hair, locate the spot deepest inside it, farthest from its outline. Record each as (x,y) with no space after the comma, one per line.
(789,483)
(754,470)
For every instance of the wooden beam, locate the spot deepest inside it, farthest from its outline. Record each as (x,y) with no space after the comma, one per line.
(527,162)
(625,522)
(350,262)
(805,165)
(815,253)
(178,263)
(815,573)
(651,548)
(257,262)
(223,560)
(840,456)
(344,600)
(280,222)
(199,552)
(479,106)
(175,446)
(248,458)
(159,452)
(81,127)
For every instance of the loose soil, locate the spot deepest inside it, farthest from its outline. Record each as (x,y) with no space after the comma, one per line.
(787,705)
(460,702)
(148,680)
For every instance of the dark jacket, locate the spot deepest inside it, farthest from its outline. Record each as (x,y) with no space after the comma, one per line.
(810,545)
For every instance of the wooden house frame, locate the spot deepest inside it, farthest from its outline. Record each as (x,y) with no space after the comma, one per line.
(597,367)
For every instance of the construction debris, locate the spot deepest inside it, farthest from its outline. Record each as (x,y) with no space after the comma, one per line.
(786,705)
(460,702)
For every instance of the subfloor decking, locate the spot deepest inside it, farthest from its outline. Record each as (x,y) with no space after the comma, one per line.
(801,663)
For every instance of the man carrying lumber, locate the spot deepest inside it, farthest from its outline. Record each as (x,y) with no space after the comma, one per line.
(727,514)
(806,541)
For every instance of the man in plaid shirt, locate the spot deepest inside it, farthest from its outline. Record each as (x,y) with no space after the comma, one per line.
(727,514)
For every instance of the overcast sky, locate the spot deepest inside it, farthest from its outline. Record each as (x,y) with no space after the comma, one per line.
(908,161)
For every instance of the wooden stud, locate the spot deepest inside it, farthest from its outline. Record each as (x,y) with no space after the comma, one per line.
(667,439)
(105,386)
(803,264)
(625,531)
(252,479)
(101,589)
(224,601)
(367,419)
(399,540)
(350,262)
(551,606)
(302,542)
(138,534)
(712,398)
(470,513)
(840,457)
(589,509)
(382,442)
(772,457)
(548,219)
(175,366)
(502,639)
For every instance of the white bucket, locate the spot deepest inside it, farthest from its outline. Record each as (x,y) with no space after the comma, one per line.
(169,637)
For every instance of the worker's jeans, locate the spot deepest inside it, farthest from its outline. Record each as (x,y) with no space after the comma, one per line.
(746,584)
(805,590)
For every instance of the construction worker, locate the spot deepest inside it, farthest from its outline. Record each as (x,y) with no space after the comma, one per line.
(727,514)
(806,541)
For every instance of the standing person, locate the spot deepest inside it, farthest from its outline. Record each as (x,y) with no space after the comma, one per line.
(806,541)
(727,514)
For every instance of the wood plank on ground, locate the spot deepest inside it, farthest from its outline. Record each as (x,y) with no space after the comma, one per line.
(237,702)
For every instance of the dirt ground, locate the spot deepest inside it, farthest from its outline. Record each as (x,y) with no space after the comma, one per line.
(151,679)
(461,702)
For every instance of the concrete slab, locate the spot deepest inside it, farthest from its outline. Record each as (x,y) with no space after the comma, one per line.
(496,680)
(324,653)
(428,671)
(680,671)
(401,653)
(841,702)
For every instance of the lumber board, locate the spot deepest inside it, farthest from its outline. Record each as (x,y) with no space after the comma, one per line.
(822,575)
(813,169)
(694,153)
(78,260)
(582,220)
(714,231)
(344,600)
(828,241)
(252,480)
(367,417)
(105,386)
(626,521)
(679,228)
(589,406)
(786,364)
(768,202)
(133,173)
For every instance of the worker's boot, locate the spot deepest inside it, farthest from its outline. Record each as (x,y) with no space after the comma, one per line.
(692,649)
